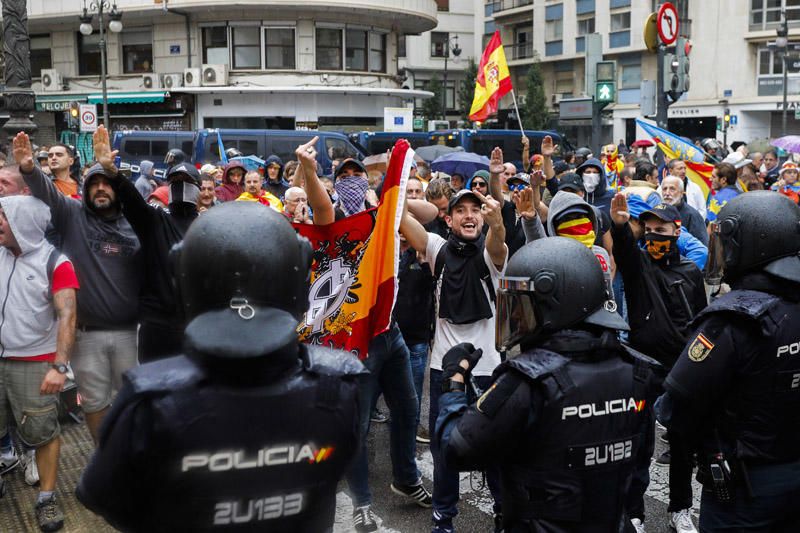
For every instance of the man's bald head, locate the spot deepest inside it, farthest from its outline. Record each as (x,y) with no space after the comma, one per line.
(12,183)
(509,171)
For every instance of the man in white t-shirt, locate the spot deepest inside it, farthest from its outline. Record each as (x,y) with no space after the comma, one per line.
(467,266)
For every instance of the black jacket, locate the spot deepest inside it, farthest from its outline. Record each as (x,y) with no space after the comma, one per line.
(158,231)
(692,221)
(656,311)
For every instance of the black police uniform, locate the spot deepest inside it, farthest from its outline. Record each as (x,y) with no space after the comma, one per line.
(188,448)
(564,420)
(736,387)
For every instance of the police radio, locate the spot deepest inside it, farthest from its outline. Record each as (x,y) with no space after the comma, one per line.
(720,477)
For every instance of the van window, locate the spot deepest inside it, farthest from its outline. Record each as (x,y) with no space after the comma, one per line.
(380,145)
(159,148)
(135,148)
(447,140)
(186,147)
(246,146)
(284,146)
(511,146)
(339,149)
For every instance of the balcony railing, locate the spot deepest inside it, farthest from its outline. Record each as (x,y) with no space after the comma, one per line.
(502,5)
(519,51)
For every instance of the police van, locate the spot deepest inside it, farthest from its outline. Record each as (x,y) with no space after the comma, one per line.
(483,141)
(139,145)
(378,142)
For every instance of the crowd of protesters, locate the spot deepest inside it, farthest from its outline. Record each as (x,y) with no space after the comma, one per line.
(87,292)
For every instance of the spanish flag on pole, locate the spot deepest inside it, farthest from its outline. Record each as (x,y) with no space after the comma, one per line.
(493,81)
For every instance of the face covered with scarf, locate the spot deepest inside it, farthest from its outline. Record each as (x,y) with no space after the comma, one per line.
(576,226)
(660,238)
(351,187)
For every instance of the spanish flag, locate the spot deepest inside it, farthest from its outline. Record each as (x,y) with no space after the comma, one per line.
(355,266)
(493,81)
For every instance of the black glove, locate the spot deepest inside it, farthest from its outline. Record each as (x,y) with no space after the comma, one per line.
(452,359)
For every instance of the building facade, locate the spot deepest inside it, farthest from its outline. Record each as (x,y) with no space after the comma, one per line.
(731,64)
(187,64)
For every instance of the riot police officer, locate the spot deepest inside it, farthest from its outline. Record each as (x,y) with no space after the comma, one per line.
(563,419)
(249,430)
(736,386)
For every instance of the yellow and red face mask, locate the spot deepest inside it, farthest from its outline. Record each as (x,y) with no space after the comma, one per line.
(580,229)
(659,246)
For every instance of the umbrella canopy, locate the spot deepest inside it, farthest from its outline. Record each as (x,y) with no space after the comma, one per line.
(642,143)
(251,162)
(464,163)
(431,153)
(790,143)
(380,162)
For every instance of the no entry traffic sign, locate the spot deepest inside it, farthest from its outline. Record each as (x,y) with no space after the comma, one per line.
(667,23)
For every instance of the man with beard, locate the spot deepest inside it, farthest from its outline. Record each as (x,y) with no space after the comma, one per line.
(673,194)
(693,194)
(254,193)
(161,322)
(466,269)
(106,254)
(207,198)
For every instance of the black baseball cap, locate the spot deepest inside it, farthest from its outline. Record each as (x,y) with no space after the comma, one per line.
(349,163)
(460,195)
(665,212)
(559,167)
(571,182)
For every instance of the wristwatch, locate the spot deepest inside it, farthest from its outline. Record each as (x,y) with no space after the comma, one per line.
(60,367)
(450,385)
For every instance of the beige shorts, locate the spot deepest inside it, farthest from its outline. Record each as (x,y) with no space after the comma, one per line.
(36,415)
(99,359)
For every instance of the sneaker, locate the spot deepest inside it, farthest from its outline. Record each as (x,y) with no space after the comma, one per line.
(423,437)
(8,461)
(682,521)
(663,459)
(363,519)
(378,416)
(638,525)
(49,515)
(31,470)
(417,493)
(444,525)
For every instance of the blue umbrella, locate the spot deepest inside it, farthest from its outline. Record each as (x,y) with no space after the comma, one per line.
(464,163)
(250,162)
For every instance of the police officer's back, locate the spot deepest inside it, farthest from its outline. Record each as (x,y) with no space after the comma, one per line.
(736,386)
(562,419)
(249,431)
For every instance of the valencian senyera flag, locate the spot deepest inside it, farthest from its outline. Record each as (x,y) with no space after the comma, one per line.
(354,269)
(674,147)
(493,80)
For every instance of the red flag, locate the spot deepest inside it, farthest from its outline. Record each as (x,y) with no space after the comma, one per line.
(492,82)
(354,271)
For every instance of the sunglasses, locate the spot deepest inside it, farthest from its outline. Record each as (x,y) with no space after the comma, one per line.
(479,184)
(516,186)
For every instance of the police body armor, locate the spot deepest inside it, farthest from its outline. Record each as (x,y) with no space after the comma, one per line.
(579,459)
(273,466)
(760,420)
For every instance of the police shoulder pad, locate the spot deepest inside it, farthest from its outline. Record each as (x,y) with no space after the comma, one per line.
(330,362)
(536,363)
(496,395)
(164,375)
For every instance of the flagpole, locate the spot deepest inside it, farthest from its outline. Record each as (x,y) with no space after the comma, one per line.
(516,108)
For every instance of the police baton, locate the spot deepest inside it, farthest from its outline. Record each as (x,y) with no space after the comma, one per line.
(684,300)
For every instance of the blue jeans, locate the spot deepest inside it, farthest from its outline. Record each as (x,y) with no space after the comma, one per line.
(446,481)
(390,371)
(419,361)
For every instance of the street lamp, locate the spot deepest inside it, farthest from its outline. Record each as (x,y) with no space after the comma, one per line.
(19,98)
(456,52)
(101,7)
(782,44)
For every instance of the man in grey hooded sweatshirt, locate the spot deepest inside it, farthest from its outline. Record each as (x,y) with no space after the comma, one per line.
(145,183)
(106,254)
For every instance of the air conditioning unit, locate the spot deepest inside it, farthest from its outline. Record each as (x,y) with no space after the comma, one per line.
(214,75)
(191,77)
(557,98)
(51,80)
(168,81)
(151,81)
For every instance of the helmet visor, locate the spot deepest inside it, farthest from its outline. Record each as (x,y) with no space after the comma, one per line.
(715,265)
(516,315)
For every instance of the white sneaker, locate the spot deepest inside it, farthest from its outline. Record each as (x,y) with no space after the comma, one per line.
(8,461)
(682,521)
(31,470)
(637,525)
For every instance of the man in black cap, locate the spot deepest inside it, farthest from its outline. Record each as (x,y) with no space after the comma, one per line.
(249,430)
(161,321)
(664,291)
(351,183)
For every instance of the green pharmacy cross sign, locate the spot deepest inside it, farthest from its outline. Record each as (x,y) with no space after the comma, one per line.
(605,92)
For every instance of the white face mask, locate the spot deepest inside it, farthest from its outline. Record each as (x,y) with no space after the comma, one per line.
(591,181)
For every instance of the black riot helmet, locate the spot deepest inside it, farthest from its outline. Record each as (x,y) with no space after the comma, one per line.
(174,157)
(184,184)
(230,153)
(551,284)
(224,264)
(759,230)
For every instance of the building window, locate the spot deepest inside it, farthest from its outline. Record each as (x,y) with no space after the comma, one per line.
(215,45)
(89,54)
(439,43)
(449,93)
(584,6)
(442,5)
(770,73)
(377,52)
(620,3)
(586,26)
(401,45)
(555,48)
(554,23)
(279,48)
(619,39)
(246,45)
(40,54)
(356,53)
(767,13)
(621,21)
(329,49)
(137,51)
(630,76)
